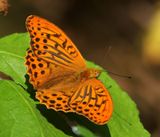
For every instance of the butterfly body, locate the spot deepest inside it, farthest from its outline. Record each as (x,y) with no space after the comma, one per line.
(58,72)
(90,73)
(74,80)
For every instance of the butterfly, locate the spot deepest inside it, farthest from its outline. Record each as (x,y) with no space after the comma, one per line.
(58,72)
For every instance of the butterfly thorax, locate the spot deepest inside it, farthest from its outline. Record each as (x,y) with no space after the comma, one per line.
(90,73)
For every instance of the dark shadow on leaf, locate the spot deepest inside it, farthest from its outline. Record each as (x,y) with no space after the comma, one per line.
(30,88)
(56,119)
(66,121)
(98,130)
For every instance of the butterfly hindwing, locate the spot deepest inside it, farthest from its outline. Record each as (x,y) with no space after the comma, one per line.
(93,101)
(90,99)
(56,100)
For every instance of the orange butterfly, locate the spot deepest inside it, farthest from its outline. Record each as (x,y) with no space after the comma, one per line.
(59,74)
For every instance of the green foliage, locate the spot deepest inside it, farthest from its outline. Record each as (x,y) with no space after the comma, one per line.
(21,116)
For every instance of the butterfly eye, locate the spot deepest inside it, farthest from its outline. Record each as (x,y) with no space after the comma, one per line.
(96,73)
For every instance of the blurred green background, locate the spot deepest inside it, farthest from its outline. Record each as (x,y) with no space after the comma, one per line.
(129,28)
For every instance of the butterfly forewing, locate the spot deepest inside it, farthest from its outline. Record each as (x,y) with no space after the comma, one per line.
(37,69)
(42,73)
(51,44)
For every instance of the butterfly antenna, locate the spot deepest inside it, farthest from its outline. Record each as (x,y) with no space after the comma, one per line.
(107,49)
(119,75)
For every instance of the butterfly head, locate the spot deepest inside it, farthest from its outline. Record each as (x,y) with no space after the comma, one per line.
(94,73)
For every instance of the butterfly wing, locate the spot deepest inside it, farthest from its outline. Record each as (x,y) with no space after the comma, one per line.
(41,72)
(52,54)
(52,45)
(37,69)
(54,99)
(90,99)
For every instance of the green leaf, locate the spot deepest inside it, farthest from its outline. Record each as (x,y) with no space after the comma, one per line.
(19,116)
(12,52)
(125,121)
